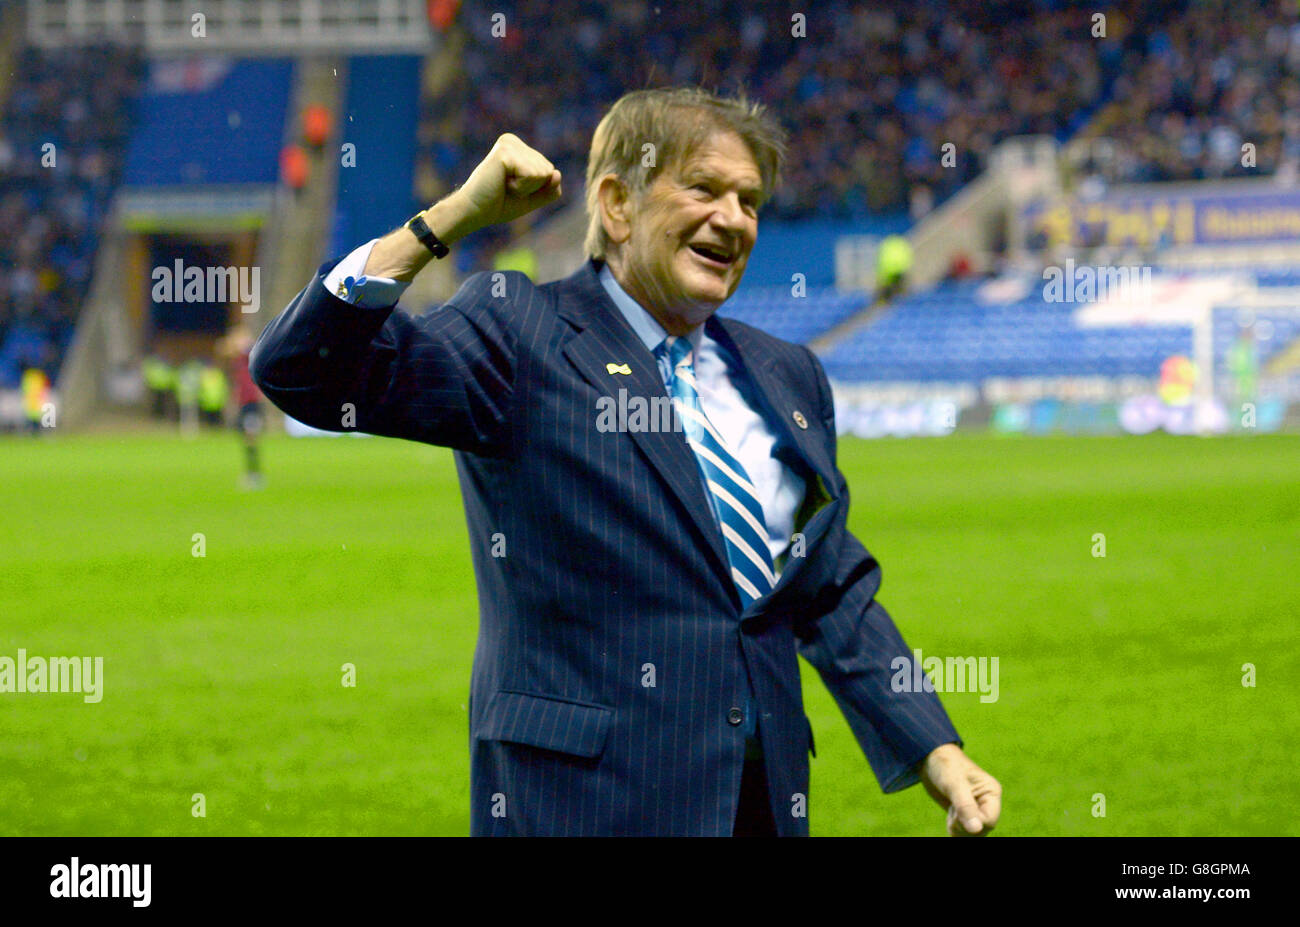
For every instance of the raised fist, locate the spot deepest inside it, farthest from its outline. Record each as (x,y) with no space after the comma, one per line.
(510,182)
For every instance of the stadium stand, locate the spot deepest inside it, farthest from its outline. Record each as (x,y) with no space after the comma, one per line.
(948,334)
(77,99)
(235,106)
(868,110)
(1207,80)
(954,333)
(794,318)
(870,105)
(380,109)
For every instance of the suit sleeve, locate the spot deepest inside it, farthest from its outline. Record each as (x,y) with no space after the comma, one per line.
(444,377)
(850,639)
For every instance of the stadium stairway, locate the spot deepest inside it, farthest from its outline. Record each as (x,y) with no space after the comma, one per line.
(105,348)
(104,341)
(440,71)
(298,234)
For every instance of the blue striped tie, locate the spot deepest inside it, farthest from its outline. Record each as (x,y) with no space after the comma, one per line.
(735,500)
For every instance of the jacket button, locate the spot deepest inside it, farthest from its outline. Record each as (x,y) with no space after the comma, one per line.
(735,716)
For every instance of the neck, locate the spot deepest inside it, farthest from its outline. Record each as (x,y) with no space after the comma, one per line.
(678,320)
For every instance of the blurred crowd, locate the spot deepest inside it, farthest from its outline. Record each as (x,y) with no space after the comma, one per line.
(870,92)
(1207,82)
(53,199)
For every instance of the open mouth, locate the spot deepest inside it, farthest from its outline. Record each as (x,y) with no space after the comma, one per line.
(720,257)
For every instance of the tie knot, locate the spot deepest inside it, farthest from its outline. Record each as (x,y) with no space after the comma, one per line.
(678,350)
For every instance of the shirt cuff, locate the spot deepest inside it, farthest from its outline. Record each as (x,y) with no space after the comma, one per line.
(348,283)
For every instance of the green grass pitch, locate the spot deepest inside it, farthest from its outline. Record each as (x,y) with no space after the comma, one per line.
(1119,676)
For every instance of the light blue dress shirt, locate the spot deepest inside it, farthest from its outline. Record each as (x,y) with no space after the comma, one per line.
(719,380)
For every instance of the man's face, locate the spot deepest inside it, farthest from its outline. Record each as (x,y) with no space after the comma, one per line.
(691,233)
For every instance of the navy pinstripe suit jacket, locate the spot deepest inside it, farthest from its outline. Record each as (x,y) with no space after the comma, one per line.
(612,645)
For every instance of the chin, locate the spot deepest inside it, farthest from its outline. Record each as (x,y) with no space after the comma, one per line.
(713,292)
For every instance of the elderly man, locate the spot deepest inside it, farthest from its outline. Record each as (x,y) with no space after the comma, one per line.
(645,583)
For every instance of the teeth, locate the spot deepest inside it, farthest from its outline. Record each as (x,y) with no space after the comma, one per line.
(712,253)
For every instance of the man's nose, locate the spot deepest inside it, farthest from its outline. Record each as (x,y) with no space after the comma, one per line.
(730,215)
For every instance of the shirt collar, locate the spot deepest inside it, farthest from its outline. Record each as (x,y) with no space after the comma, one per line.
(645,325)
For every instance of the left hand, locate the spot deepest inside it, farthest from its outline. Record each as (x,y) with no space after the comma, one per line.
(973,797)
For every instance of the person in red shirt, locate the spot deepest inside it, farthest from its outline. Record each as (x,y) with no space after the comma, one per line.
(250,419)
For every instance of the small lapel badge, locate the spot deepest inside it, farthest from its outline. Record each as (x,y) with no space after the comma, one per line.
(618,368)
(799,419)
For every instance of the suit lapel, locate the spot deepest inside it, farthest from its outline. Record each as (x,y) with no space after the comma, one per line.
(780,406)
(782,409)
(606,338)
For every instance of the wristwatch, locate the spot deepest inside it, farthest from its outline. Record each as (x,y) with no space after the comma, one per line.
(421,230)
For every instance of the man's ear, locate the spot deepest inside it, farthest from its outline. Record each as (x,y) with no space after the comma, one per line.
(615,208)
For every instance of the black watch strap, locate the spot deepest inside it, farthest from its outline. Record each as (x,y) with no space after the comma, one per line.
(421,230)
